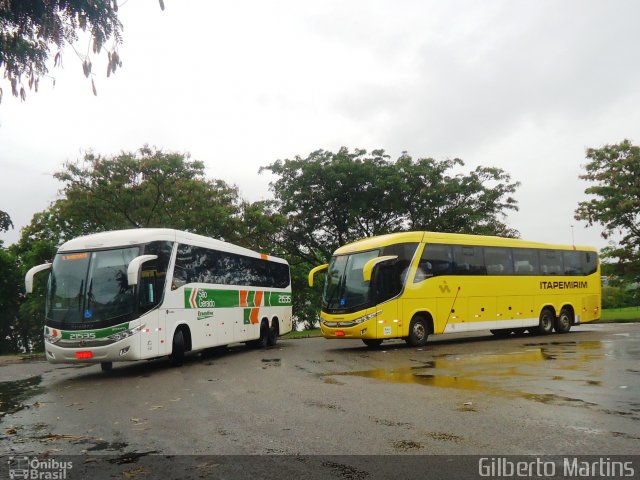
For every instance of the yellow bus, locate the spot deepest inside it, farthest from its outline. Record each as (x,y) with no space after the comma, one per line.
(412,284)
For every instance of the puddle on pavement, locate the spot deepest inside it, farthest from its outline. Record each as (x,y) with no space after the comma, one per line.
(13,395)
(504,375)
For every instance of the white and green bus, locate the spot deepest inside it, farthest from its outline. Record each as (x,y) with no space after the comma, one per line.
(146,293)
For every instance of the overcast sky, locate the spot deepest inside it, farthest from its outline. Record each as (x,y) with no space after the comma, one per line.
(522,85)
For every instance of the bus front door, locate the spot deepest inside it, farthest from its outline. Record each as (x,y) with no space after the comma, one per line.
(387,319)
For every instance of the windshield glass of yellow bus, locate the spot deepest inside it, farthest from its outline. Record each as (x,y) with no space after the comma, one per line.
(345,288)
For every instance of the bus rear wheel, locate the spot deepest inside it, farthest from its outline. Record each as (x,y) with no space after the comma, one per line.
(372,342)
(547,319)
(564,321)
(264,336)
(177,351)
(274,331)
(418,332)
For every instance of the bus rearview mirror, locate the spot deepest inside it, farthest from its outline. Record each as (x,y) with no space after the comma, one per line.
(28,278)
(134,268)
(367,270)
(316,270)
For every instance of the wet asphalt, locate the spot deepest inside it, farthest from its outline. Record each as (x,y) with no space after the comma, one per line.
(569,394)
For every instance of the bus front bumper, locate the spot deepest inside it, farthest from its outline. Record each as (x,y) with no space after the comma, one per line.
(120,351)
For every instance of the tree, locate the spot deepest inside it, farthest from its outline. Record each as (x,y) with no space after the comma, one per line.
(5,223)
(614,171)
(10,281)
(330,199)
(147,188)
(474,203)
(30,29)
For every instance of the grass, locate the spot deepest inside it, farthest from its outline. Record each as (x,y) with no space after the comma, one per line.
(627,314)
(315,332)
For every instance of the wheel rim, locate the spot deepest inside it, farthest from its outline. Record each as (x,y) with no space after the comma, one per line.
(564,321)
(546,322)
(419,331)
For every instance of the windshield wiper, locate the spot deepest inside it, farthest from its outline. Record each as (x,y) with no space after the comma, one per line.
(90,297)
(80,296)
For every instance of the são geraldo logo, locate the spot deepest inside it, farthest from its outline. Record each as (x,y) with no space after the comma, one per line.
(203,301)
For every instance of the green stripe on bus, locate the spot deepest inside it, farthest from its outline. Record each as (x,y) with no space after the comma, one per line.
(208,298)
(98,333)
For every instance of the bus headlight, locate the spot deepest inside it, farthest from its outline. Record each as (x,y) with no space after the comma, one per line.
(51,339)
(351,323)
(116,337)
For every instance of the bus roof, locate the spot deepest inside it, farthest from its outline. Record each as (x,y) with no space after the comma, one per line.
(137,236)
(453,238)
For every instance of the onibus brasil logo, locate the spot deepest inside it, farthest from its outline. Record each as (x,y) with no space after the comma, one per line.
(34,468)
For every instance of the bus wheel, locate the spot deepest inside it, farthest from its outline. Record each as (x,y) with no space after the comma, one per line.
(177,352)
(502,332)
(564,321)
(418,332)
(106,366)
(274,331)
(372,342)
(547,319)
(262,342)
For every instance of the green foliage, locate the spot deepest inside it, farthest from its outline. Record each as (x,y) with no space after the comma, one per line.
(10,296)
(148,188)
(30,29)
(614,174)
(619,297)
(5,221)
(330,199)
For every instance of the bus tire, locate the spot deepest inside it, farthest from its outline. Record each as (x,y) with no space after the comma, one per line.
(418,332)
(502,332)
(264,335)
(106,366)
(547,319)
(564,321)
(177,350)
(372,342)
(274,331)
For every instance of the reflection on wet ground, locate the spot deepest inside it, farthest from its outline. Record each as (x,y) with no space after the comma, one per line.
(571,373)
(13,395)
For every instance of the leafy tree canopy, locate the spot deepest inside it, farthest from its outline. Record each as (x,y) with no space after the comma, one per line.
(330,199)
(5,221)
(31,31)
(147,188)
(614,174)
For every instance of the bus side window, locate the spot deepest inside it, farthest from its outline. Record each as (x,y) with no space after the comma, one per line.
(525,261)
(435,260)
(154,274)
(469,260)
(499,261)
(572,264)
(589,262)
(551,262)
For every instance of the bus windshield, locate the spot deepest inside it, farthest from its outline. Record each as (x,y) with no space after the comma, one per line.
(90,288)
(345,288)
